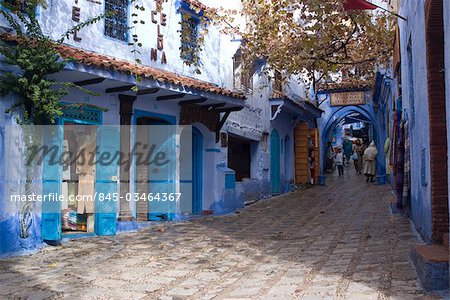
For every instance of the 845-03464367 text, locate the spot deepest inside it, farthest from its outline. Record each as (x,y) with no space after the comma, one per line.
(151,197)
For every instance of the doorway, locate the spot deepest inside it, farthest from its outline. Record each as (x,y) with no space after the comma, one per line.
(275,152)
(78,179)
(156,181)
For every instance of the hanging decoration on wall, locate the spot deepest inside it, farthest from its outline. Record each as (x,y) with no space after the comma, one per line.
(160,20)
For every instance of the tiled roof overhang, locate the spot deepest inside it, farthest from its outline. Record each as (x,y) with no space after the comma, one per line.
(111,63)
(196,3)
(305,109)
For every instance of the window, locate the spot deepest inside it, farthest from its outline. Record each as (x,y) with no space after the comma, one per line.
(16,5)
(116,21)
(242,77)
(189,38)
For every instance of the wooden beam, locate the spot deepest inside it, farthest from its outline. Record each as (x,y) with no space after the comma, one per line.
(238,108)
(220,124)
(90,81)
(170,97)
(193,101)
(119,89)
(147,91)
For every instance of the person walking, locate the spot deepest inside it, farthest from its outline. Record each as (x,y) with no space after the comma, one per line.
(360,148)
(340,162)
(355,158)
(370,167)
(348,147)
(330,156)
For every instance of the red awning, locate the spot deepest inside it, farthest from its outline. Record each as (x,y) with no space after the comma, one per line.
(358,5)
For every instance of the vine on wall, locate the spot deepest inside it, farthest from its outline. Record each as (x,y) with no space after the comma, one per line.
(35,57)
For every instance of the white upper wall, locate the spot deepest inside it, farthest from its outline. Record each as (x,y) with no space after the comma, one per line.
(216,57)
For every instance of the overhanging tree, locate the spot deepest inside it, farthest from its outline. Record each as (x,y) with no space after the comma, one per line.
(315,38)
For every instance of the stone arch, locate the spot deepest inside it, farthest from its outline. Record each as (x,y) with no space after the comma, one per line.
(341,112)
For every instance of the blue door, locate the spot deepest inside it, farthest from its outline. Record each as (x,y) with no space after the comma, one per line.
(106,182)
(162,207)
(51,177)
(197,171)
(275,162)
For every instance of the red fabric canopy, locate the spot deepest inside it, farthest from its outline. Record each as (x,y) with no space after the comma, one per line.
(358,5)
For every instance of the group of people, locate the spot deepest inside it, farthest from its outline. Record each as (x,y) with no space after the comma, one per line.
(364,159)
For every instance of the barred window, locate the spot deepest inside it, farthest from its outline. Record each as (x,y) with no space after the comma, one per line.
(242,78)
(16,5)
(189,37)
(116,20)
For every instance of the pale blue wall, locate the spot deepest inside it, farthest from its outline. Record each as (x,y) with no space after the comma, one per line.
(11,170)
(284,125)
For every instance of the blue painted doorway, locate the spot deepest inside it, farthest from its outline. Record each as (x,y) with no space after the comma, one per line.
(160,179)
(197,171)
(275,152)
(54,175)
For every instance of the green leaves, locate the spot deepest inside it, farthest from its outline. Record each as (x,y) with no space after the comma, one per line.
(307,37)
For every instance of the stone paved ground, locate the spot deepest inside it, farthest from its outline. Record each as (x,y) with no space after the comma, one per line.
(333,242)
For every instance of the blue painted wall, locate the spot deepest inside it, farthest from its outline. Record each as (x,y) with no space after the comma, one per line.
(334,114)
(415,104)
(10,241)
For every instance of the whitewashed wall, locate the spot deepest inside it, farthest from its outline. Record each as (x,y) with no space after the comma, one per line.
(57,18)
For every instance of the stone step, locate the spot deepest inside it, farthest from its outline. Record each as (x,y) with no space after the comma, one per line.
(431,263)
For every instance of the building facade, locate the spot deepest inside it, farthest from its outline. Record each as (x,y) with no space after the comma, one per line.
(417,110)
(235,154)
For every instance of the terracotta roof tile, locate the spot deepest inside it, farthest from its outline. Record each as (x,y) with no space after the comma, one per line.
(197,4)
(277,95)
(107,62)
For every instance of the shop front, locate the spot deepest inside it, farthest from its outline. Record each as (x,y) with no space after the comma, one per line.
(293,162)
(112,123)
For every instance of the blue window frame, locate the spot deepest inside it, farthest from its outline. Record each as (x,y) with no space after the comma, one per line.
(116,20)
(14,4)
(189,30)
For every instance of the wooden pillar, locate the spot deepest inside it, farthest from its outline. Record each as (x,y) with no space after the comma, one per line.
(126,112)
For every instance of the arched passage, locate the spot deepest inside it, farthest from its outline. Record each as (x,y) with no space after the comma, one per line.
(340,113)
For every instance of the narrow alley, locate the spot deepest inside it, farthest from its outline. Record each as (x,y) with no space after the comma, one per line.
(339,241)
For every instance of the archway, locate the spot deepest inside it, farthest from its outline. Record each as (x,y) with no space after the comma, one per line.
(336,118)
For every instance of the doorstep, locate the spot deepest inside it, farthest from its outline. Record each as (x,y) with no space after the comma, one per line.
(431,263)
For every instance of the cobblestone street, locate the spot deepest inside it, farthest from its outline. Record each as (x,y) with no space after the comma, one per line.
(333,242)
